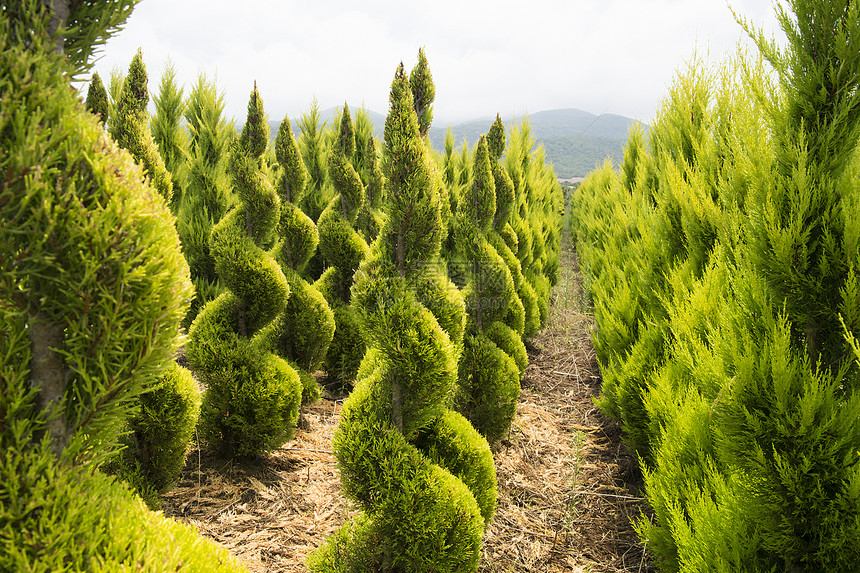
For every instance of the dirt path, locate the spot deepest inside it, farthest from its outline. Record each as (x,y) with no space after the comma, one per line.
(568,488)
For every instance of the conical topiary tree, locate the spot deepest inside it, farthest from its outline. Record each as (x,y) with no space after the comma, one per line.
(370,217)
(208,194)
(252,395)
(489,378)
(97,99)
(319,191)
(169,134)
(424,477)
(129,126)
(344,249)
(303,332)
(92,286)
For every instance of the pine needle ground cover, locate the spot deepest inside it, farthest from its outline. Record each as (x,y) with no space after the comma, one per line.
(568,488)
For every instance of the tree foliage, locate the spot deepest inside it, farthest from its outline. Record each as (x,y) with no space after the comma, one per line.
(252,396)
(722,262)
(423,476)
(92,287)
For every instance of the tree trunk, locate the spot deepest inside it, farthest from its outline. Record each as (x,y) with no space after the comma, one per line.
(47,374)
(59,17)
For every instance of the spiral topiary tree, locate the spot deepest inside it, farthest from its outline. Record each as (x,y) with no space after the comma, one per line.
(489,378)
(129,126)
(252,395)
(344,249)
(524,313)
(92,287)
(303,332)
(424,477)
(370,217)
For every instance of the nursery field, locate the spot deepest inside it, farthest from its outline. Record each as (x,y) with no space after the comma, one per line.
(568,487)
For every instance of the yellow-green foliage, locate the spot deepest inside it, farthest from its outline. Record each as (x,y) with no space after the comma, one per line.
(208,194)
(721,262)
(61,518)
(252,395)
(89,316)
(129,126)
(158,435)
(423,476)
(489,379)
(344,249)
(303,332)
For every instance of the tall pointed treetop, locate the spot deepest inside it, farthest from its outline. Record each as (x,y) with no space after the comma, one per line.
(423,91)
(346,132)
(496,138)
(255,133)
(135,92)
(288,155)
(97,100)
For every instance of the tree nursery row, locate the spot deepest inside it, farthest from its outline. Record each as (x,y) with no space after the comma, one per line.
(722,260)
(405,277)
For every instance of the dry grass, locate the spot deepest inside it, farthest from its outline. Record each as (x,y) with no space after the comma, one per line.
(568,488)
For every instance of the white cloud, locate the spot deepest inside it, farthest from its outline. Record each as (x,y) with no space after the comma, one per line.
(617,56)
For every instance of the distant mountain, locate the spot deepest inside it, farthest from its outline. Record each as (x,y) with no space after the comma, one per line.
(576,141)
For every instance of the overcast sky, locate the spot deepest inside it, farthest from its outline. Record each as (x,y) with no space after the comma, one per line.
(612,56)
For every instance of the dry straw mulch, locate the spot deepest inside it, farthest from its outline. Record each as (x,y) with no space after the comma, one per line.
(568,488)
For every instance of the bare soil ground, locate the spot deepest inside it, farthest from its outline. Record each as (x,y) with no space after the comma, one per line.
(568,487)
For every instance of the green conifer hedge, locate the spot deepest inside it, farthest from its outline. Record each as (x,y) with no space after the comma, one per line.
(722,264)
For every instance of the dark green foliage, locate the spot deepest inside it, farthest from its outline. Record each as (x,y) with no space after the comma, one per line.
(97,99)
(303,332)
(89,315)
(129,126)
(423,476)
(158,435)
(208,194)
(169,133)
(252,395)
(344,249)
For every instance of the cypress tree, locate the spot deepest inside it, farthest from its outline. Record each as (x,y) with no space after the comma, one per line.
(736,372)
(130,126)
(169,134)
(92,286)
(208,194)
(252,395)
(303,332)
(344,249)
(312,143)
(524,314)
(424,477)
(97,99)
(424,92)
